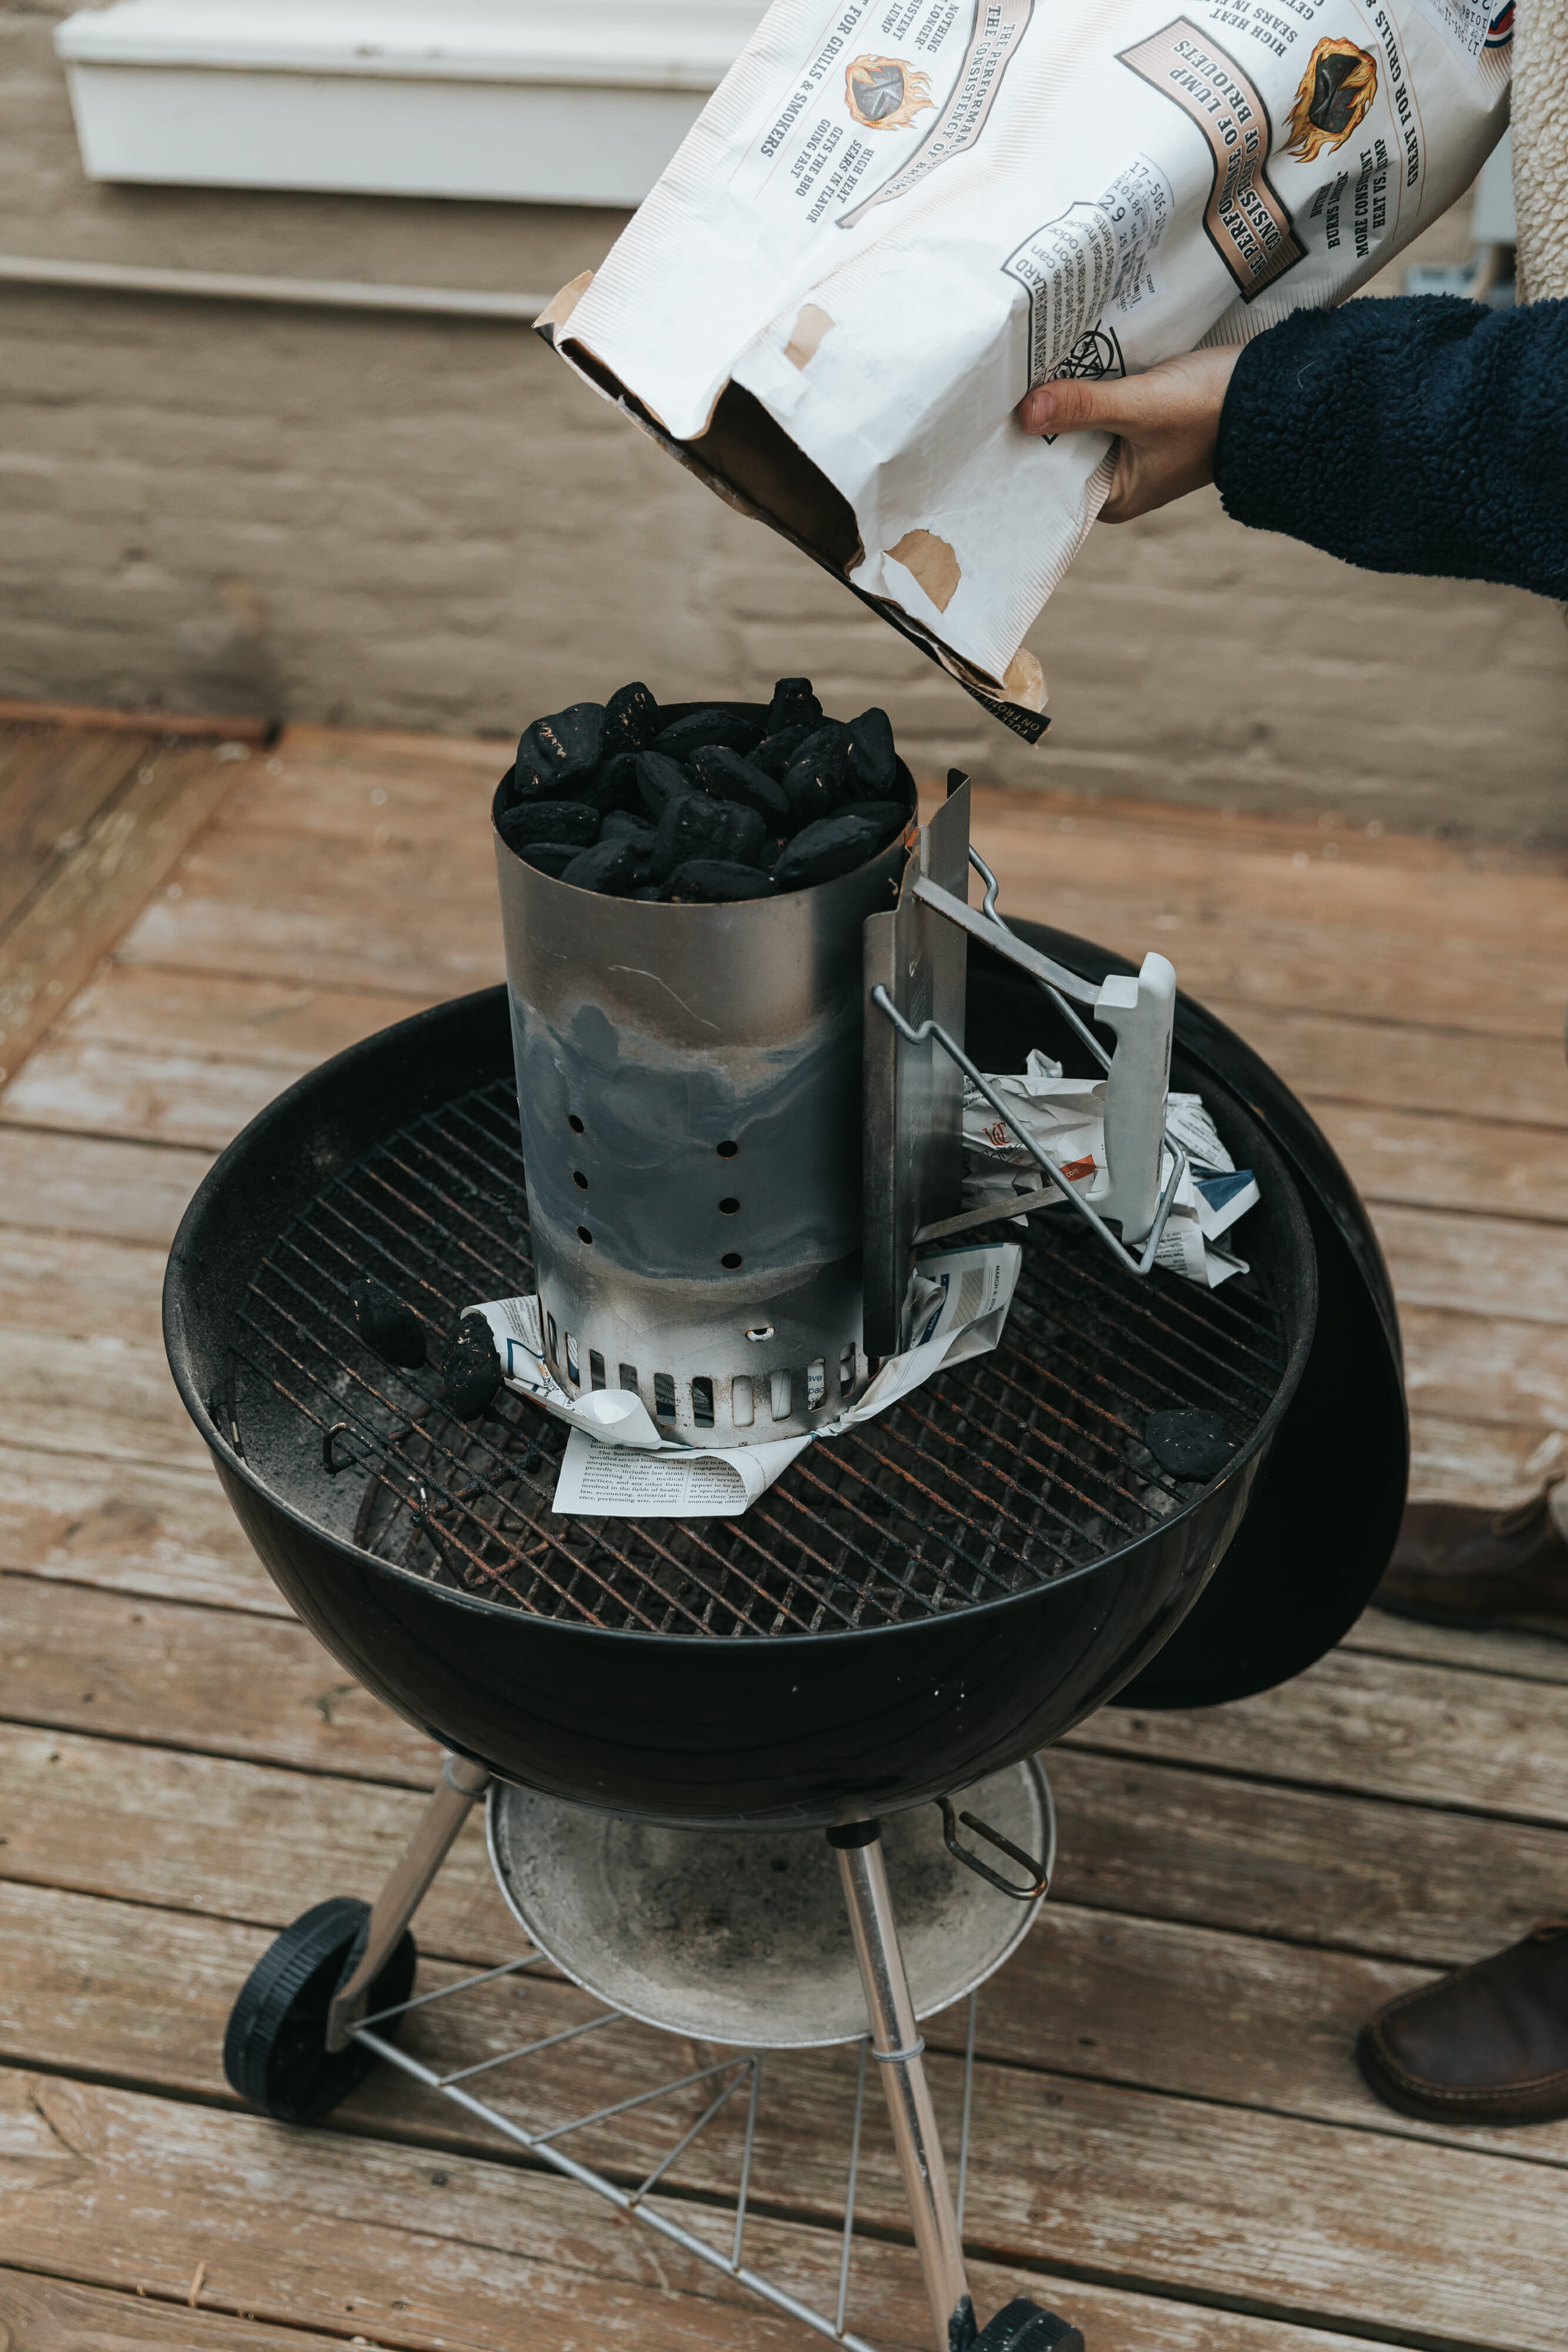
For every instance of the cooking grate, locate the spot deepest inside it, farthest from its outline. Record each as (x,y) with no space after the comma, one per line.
(992,1480)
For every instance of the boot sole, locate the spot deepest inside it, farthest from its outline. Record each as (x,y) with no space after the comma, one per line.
(1548,2105)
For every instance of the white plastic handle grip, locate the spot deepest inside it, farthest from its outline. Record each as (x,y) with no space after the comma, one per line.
(1142,1011)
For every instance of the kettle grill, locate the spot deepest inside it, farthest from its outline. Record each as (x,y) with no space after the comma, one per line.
(861,1667)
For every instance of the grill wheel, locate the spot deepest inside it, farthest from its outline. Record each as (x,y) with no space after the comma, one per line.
(275,2047)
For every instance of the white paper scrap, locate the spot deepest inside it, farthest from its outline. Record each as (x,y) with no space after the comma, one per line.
(613,1481)
(1065,1119)
(618,1464)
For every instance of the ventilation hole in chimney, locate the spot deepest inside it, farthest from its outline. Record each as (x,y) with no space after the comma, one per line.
(579,1180)
(847,1367)
(596,1368)
(727,1150)
(731,1259)
(584,1235)
(554,1340)
(629,1378)
(742,1411)
(702,1402)
(728,1208)
(759,1330)
(816,1382)
(573,1121)
(665,1395)
(571,1359)
(779,1397)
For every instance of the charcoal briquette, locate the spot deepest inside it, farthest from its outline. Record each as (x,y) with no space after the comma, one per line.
(773,753)
(647,891)
(608,868)
(550,856)
(659,779)
(815,779)
(714,881)
(1189,1442)
(549,821)
(505,794)
(630,718)
(391,1330)
(873,761)
(696,825)
(628,824)
(613,785)
(885,817)
(472,1374)
(533,776)
(684,736)
(820,852)
(729,777)
(572,741)
(793,705)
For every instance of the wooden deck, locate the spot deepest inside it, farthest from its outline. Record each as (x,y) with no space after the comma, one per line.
(1173,2146)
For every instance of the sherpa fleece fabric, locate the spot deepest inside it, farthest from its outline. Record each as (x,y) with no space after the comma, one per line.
(1413,434)
(1540,113)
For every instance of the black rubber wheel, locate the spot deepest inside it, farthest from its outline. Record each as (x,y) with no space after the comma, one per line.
(275,2048)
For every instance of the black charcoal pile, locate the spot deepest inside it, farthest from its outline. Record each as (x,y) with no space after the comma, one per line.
(706,808)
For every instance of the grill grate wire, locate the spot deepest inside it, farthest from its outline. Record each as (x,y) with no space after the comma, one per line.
(992,1480)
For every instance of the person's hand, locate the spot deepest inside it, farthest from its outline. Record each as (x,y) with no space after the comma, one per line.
(1166,423)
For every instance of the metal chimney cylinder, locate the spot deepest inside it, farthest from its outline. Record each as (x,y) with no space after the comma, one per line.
(690,1086)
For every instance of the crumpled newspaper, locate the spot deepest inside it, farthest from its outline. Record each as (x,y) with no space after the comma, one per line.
(619,1465)
(1066,1119)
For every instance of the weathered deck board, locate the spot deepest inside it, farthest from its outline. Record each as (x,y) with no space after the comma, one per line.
(1373,1876)
(54,2315)
(87,1184)
(374,2239)
(163,1058)
(116,1991)
(127,1527)
(77,1659)
(98,875)
(1141,2189)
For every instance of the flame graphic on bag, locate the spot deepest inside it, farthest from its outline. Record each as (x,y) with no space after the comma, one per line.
(1337,89)
(885,94)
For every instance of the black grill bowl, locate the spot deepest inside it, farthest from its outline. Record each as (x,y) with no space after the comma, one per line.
(742,1724)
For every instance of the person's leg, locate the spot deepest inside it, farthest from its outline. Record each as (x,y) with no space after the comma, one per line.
(1489,2044)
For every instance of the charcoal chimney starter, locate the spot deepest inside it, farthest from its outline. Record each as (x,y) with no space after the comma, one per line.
(690,1082)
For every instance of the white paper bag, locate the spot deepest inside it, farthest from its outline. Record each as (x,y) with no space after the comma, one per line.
(895,217)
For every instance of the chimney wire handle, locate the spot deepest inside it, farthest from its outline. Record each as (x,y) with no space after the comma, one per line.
(1141,1264)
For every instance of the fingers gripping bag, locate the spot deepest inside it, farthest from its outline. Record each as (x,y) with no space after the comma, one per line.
(895,217)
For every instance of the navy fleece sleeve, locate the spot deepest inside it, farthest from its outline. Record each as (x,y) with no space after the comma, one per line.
(1423,433)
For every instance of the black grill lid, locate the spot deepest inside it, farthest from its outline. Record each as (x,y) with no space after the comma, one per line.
(1322,1529)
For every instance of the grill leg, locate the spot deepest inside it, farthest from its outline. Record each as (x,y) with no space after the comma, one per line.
(460,1786)
(898,2049)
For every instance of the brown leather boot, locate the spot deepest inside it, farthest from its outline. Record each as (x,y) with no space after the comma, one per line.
(1456,1566)
(1489,2046)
